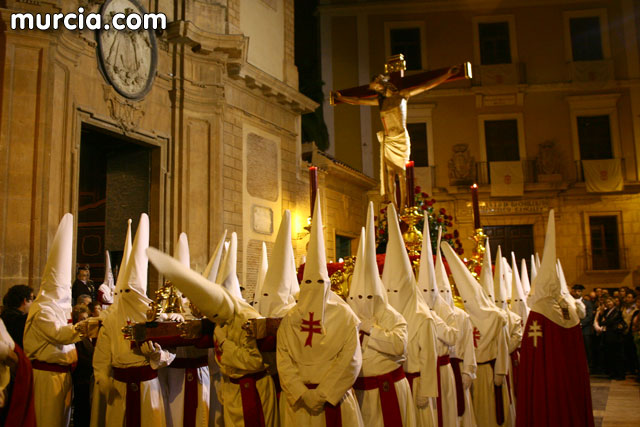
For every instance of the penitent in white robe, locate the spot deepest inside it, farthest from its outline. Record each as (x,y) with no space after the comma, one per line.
(465,351)
(332,361)
(238,355)
(49,338)
(113,350)
(173,380)
(383,351)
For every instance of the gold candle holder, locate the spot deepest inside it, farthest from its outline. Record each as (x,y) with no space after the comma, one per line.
(478,252)
(411,215)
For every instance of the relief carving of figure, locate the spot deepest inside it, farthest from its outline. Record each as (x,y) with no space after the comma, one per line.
(548,160)
(461,165)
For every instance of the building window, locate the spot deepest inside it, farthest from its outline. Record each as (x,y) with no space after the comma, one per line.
(586,38)
(343,246)
(605,249)
(407,41)
(495,43)
(419,143)
(594,136)
(501,139)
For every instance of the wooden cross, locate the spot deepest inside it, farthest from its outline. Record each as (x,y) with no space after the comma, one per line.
(394,69)
(312,327)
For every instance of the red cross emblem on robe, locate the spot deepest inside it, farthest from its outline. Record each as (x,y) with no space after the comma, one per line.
(476,337)
(312,327)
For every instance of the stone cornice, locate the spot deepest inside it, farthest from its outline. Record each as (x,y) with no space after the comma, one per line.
(270,87)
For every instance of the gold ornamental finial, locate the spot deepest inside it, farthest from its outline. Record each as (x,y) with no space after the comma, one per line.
(395,63)
(167,301)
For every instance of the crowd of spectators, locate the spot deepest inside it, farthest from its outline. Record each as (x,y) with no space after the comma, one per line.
(611,330)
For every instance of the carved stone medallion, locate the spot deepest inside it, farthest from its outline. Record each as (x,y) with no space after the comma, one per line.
(548,161)
(127,58)
(461,165)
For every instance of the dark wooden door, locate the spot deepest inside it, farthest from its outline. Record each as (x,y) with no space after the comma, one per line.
(516,238)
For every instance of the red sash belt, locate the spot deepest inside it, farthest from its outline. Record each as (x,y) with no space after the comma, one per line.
(442,361)
(457,374)
(51,367)
(411,376)
(133,377)
(385,384)
(332,414)
(190,366)
(251,403)
(497,393)
(20,410)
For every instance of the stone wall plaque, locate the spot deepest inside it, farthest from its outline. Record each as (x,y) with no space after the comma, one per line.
(262,167)
(127,58)
(513,207)
(262,219)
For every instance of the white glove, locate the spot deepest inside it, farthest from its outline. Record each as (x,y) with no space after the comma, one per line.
(367,325)
(466,381)
(498,379)
(313,401)
(423,402)
(172,317)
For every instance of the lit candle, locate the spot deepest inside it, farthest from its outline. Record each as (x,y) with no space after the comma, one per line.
(410,184)
(476,206)
(313,186)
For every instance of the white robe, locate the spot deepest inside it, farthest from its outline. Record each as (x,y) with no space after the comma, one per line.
(113,350)
(491,344)
(216,416)
(448,397)
(383,351)
(48,337)
(173,381)
(465,351)
(332,361)
(422,358)
(7,346)
(239,356)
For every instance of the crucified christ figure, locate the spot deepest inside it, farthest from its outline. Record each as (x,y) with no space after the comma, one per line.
(390,92)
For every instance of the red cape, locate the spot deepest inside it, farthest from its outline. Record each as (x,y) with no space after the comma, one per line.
(553,377)
(20,410)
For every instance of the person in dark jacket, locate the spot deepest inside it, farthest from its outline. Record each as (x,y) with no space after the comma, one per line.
(83,285)
(83,374)
(586,323)
(613,328)
(16,303)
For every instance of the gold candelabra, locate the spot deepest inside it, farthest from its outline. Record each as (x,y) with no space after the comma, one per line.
(478,252)
(412,237)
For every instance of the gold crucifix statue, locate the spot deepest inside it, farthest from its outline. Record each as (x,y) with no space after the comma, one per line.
(390,92)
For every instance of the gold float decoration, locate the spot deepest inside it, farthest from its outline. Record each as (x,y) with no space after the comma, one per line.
(341,279)
(412,236)
(167,301)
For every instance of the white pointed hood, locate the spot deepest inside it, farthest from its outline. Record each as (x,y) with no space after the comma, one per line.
(275,297)
(534,269)
(181,252)
(546,295)
(108,272)
(212,300)
(524,278)
(133,302)
(499,285)
(316,284)
(427,286)
(367,294)
(295,286)
(442,280)
(228,276)
(507,274)
(538,261)
(263,266)
(480,308)
(486,274)
(55,287)
(212,268)
(518,299)
(126,254)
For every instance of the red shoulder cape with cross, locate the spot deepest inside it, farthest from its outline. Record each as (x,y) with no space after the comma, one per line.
(408,82)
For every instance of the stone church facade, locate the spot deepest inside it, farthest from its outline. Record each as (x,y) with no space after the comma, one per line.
(208,140)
